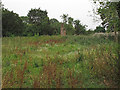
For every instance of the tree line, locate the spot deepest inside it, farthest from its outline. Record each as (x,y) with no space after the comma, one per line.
(37,22)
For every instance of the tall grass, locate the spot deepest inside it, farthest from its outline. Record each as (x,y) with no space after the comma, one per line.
(60,62)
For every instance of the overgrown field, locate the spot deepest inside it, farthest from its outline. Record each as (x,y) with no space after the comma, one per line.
(59,62)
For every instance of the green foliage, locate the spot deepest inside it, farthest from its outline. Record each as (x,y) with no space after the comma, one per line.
(109,14)
(40,20)
(59,62)
(65,18)
(36,16)
(29,30)
(37,23)
(55,26)
(89,32)
(11,23)
(118,9)
(25,19)
(99,29)
(70,20)
(80,29)
(70,30)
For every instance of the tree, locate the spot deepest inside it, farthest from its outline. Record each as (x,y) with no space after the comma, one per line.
(65,18)
(55,26)
(70,20)
(68,24)
(118,9)
(29,30)
(99,29)
(109,16)
(76,23)
(69,27)
(25,19)
(80,29)
(70,30)
(39,18)
(109,13)
(11,23)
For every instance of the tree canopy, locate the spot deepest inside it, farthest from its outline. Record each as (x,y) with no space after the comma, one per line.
(11,23)
(109,12)
(38,23)
(99,29)
(80,29)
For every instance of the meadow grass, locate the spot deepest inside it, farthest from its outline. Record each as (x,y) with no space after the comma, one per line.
(59,62)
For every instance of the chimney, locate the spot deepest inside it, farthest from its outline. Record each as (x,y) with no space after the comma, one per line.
(63,31)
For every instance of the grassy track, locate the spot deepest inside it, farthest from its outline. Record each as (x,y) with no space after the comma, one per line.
(56,61)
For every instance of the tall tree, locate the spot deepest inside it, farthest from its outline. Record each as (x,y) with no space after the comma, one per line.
(109,16)
(69,27)
(25,19)
(109,13)
(55,26)
(65,18)
(80,29)
(11,23)
(70,30)
(76,23)
(70,20)
(118,9)
(68,24)
(36,16)
(40,20)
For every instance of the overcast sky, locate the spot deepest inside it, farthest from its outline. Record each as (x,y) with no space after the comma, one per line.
(78,9)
